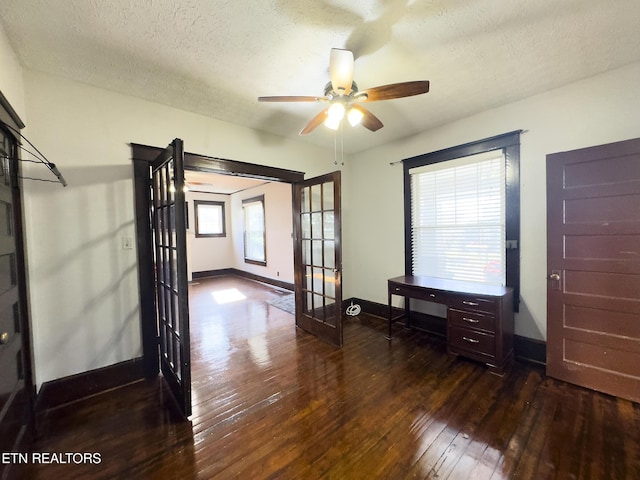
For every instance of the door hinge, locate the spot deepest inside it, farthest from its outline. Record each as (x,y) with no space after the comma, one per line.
(512,244)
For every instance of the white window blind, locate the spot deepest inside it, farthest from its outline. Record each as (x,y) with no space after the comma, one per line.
(254,230)
(458,219)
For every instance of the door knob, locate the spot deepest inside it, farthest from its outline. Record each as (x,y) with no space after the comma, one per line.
(554,276)
(4,338)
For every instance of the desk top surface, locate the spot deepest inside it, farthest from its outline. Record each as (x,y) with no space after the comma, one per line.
(451,285)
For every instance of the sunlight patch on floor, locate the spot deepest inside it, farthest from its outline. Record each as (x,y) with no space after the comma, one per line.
(227,296)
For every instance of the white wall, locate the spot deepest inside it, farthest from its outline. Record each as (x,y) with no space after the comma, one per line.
(84,286)
(209,253)
(279,227)
(598,110)
(11,83)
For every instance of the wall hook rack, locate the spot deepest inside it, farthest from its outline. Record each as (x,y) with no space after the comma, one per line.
(40,158)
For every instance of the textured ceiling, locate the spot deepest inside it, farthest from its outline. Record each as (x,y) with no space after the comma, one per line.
(215,57)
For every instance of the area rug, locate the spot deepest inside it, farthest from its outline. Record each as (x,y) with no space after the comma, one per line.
(286,302)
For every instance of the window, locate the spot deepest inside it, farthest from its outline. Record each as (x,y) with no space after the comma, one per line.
(462,213)
(254,231)
(457,219)
(210,219)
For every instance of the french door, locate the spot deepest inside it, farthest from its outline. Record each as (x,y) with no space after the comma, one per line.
(593,257)
(16,385)
(318,257)
(170,262)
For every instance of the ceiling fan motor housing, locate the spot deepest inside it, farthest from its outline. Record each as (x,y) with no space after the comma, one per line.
(329,92)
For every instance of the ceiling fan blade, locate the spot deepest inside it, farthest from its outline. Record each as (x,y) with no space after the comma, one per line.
(394,90)
(369,120)
(292,98)
(341,70)
(315,122)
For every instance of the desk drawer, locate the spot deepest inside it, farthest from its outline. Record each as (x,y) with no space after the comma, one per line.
(417,292)
(475,320)
(476,304)
(472,341)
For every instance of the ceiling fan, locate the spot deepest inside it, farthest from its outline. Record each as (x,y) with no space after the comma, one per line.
(344,98)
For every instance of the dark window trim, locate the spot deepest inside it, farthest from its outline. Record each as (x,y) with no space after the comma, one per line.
(196,204)
(259,198)
(509,143)
(255,262)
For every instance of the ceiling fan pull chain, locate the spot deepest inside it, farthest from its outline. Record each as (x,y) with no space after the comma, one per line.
(342,143)
(340,130)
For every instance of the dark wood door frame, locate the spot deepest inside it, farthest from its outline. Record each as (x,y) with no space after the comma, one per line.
(142,156)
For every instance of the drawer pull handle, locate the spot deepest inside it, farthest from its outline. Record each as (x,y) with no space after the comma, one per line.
(470,340)
(470,320)
(472,304)
(432,295)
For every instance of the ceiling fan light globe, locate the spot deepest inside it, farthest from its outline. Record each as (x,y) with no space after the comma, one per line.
(335,114)
(336,110)
(354,116)
(332,123)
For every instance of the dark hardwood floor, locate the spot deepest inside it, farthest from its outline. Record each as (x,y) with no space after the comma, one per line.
(274,402)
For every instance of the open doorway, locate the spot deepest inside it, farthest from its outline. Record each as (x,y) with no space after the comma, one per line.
(240,226)
(161,228)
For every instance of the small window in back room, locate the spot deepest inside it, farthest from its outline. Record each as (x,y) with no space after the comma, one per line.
(255,249)
(210,219)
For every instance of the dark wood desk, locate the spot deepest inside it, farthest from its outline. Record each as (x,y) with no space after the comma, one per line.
(479,317)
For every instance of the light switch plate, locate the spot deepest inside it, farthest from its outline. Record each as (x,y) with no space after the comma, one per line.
(127,243)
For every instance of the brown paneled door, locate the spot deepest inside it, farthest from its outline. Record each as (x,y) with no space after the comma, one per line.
(318,257)
(170,260)
(593,263)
